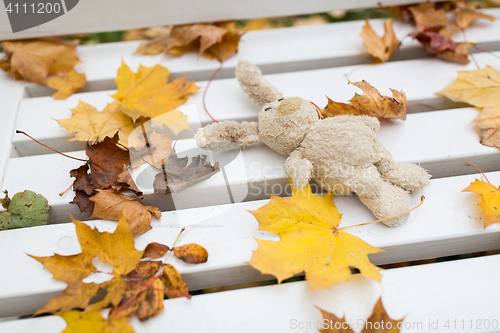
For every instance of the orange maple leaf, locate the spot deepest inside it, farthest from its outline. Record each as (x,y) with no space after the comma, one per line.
(379,322)
(371,103)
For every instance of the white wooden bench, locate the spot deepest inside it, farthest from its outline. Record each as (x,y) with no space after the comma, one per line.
(306,61)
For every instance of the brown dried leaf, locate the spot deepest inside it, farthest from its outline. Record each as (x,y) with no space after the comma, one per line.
(83,179)
(82,200)
(381,48)
(34,60)
(465,16)
(109,205)
(179,175)
(218,40)
(191,253)
(371,103)
(155,250)
(173,281)
(427,16)
(444,47)
(107,161)
(145,269)
(68,84)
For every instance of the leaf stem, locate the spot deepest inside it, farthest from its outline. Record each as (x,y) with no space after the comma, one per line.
(206,89)
(75,158)
(422,198)
(472,165)
(172,248)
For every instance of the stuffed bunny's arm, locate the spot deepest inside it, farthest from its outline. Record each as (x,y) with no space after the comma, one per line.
(299,169)
(227,135)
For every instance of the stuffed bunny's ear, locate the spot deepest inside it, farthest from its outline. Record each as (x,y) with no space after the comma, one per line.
(257,88)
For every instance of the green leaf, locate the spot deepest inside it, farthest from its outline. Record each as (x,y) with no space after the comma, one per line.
(26,209)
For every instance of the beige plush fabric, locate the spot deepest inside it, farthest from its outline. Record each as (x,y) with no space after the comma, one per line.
(226,135)
(341,154)
(257,88)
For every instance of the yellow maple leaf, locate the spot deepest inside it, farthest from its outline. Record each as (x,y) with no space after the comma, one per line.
(480,88)
(88,124)
(34,60)
(490,201)
(381,48)
(92,322)
(371,103)
(310,241)
(68,84)
(115,248)
(148,94)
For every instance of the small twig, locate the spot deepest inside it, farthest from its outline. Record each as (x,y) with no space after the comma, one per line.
(472,165)
(172,248)
(206,89)
(66,190)
(422,198)
(75,158)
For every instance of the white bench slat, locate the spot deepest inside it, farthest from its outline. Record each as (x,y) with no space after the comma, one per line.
(329,45)
(422,294)
(449,222)
(10,98)
(416,142)
(225,100)
(97,16)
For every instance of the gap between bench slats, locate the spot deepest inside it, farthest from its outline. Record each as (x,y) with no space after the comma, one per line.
(448,223)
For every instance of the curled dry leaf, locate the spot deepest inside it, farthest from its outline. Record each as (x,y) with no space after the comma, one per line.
(444,47)
(427,16)
(88,124)
(145,269)
(155,250)
(178,175)
(371,103)
(147,93)
(381,48)
(109,205)
(465,16)
(490,200)
(219,40)
(93,322)
(191,253)
(378,322)
(106,162)
(173,281)
(34,60)
(310,241)
(480,88)
(68,84)
(25,209)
